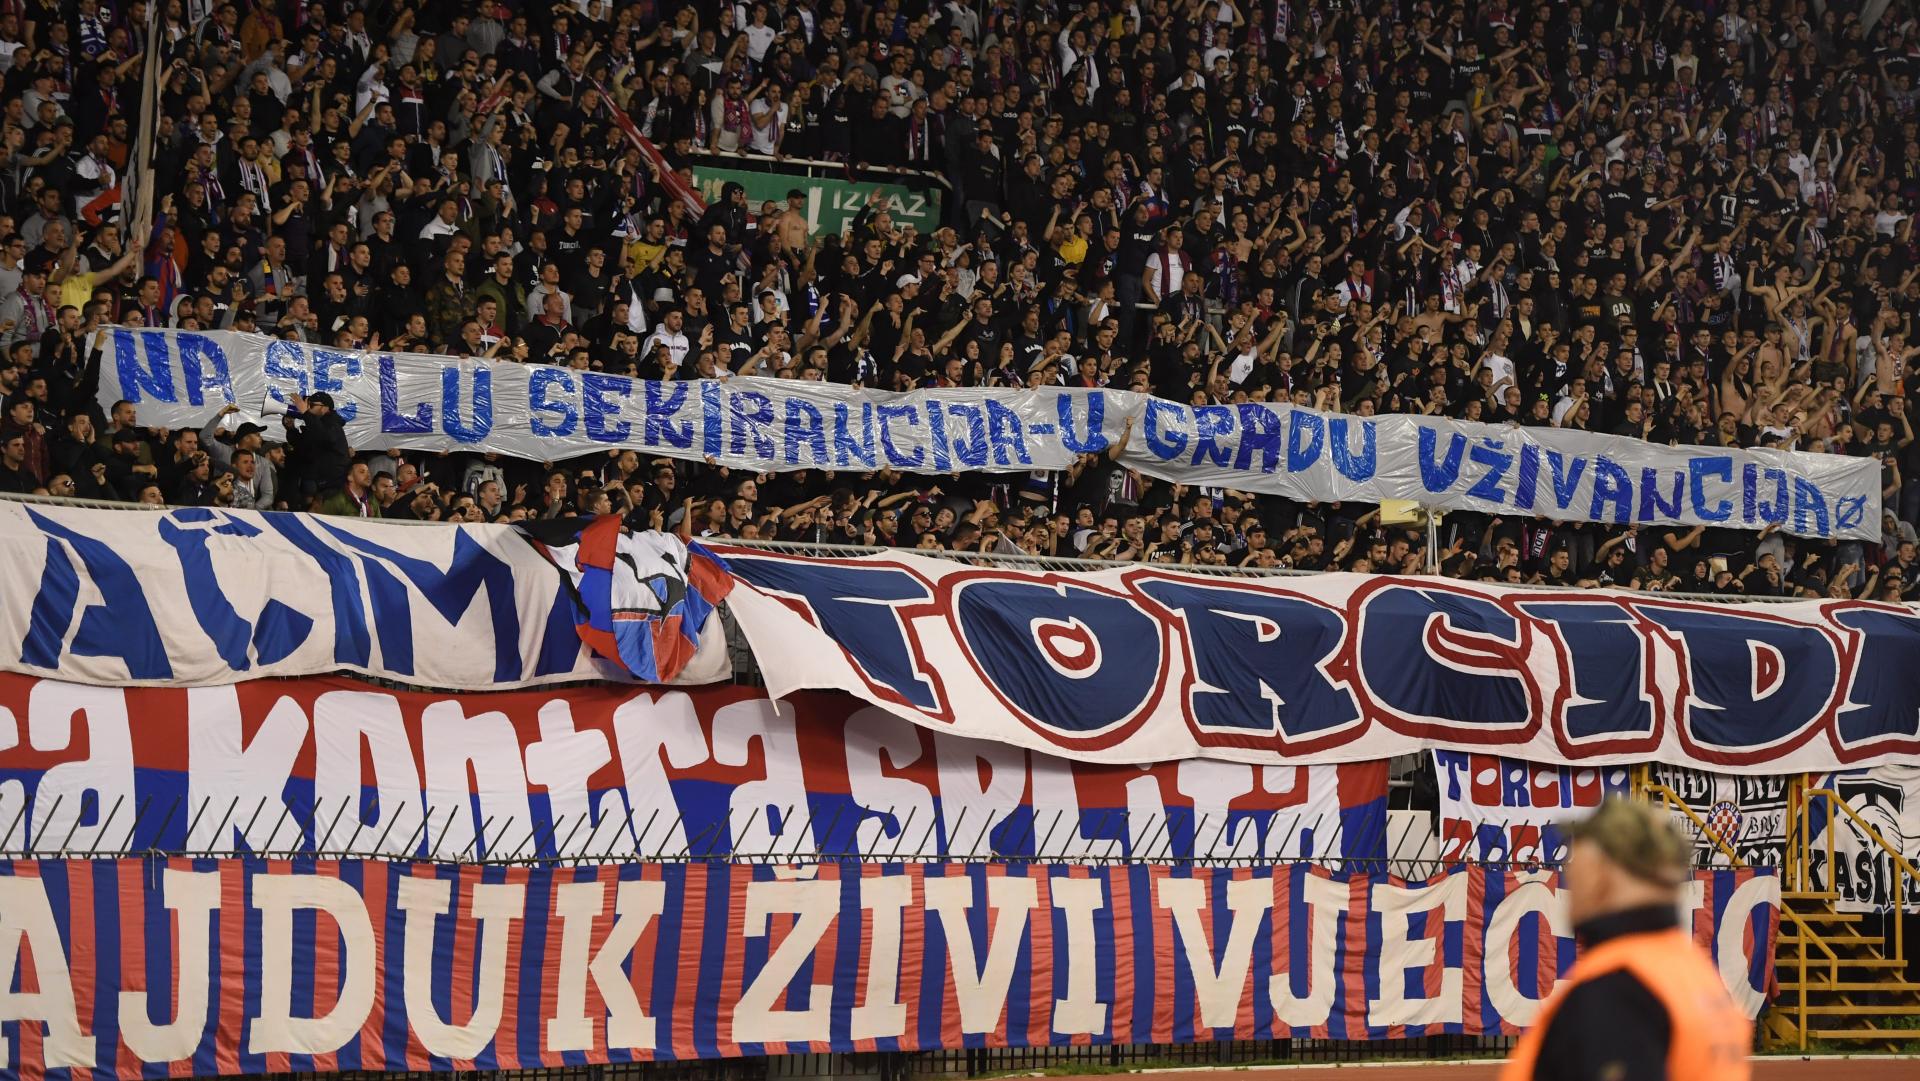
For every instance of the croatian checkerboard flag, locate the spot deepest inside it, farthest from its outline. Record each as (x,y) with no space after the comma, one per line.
(642,600)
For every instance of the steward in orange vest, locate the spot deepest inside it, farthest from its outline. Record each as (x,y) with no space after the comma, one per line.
(1642,1001)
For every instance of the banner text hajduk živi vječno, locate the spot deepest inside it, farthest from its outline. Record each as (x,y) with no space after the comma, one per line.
(322,966)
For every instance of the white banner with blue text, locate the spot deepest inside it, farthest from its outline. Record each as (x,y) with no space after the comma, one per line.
(543,413)
(197,596)
(1148,664)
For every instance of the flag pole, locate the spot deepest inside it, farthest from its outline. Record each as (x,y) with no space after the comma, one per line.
(137,200)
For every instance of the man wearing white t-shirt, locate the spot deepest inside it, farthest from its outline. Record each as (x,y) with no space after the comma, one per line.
(1502,369)
(1168,267)
(1242,364)
(768,115)
(759,35)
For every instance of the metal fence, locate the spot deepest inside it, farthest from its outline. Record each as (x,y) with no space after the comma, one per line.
(1402,842)
(81,824)
(1071,564)
(823,169)
(987,1061)
(1011,561)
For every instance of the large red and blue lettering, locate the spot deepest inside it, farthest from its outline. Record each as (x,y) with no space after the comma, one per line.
(149,969)
(1148,663)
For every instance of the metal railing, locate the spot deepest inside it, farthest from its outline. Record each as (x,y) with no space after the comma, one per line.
(515,829)
(75,501)
(1800,854)
(819,167)
(1014,561)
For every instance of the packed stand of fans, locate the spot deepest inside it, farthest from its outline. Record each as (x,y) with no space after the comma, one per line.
(1684,221)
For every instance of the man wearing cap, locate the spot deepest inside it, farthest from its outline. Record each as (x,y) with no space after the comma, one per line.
(1642,1000)
(318,437)
(220,446)
(127,473)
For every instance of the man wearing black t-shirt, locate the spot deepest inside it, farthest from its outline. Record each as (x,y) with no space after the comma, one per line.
(14,476)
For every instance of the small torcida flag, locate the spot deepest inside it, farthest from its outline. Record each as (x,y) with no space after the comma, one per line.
(672,181)
(641,600)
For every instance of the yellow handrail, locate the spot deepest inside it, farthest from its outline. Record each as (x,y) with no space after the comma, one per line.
(1672,800)
(1901,866)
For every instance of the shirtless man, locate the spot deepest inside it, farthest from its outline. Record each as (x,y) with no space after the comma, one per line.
(788,225)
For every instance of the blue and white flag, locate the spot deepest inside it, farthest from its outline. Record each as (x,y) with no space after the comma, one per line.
(541,413)
(196,596)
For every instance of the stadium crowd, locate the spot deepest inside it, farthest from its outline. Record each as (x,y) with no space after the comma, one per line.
(1686,221)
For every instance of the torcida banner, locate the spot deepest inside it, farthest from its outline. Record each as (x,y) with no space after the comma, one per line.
(1507,810)
(344,767)
(544,413)
(1144,664)
(203,967)
(196,596)
(1504,810)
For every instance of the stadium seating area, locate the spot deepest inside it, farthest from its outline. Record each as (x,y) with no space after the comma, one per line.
(1683,222)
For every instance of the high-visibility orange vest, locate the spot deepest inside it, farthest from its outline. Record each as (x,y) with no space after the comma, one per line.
(1710,1035)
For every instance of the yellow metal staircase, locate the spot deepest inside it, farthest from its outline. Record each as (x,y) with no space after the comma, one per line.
(1837,984)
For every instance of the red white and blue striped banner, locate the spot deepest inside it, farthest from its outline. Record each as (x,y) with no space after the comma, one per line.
(343,767)
(153,969)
